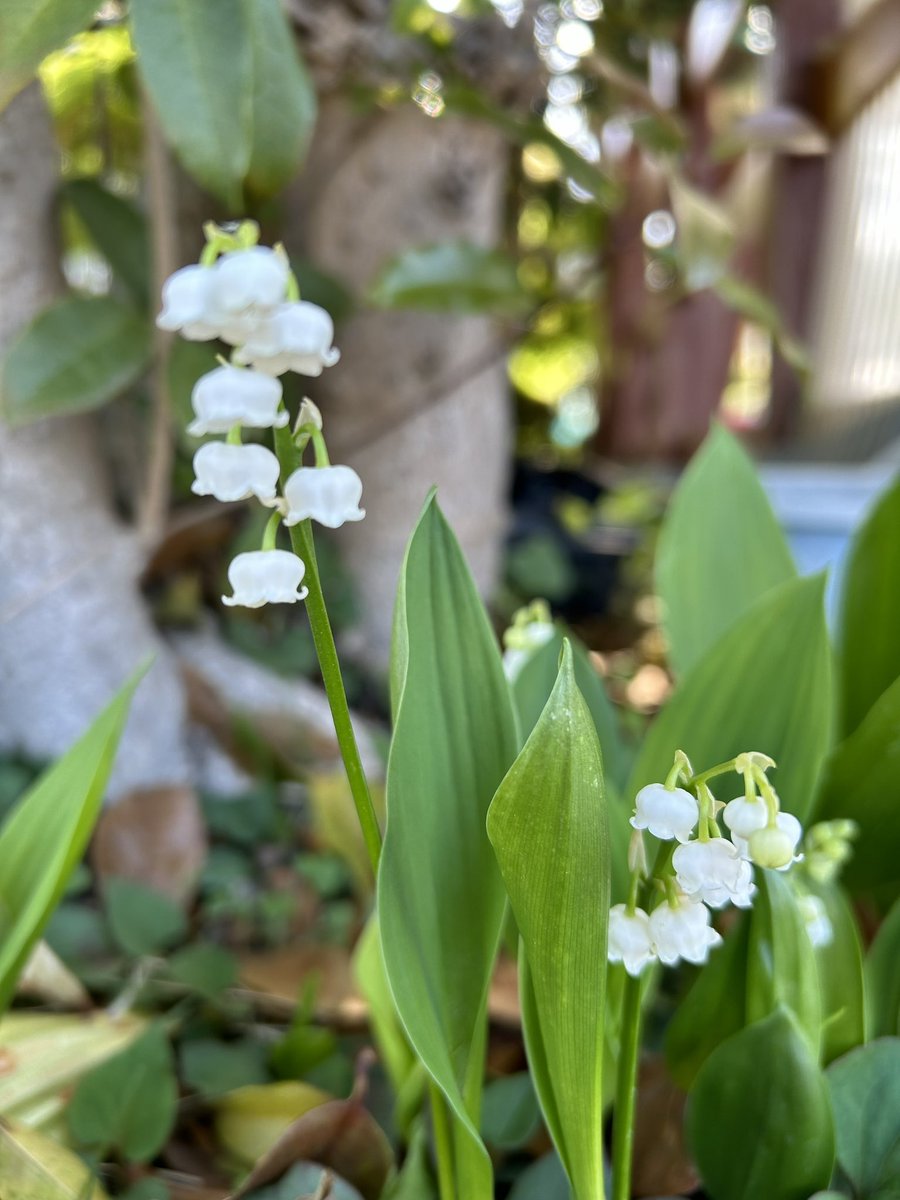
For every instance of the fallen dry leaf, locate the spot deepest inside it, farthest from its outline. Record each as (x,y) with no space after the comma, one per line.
(47,978)
(280,975)
(661,1163)
(503,998)
(155,836)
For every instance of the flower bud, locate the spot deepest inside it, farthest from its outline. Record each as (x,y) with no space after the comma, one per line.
(771,847)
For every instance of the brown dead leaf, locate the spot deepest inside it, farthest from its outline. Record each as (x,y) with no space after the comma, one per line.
(341,1135)
(47,978)
(503,999)
(280,974)
(661,1163)
(155,836)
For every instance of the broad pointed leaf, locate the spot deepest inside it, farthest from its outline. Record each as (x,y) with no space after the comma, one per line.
(548,826)
(765,685)
(865,1092)
(46,834)
(440,896)
(29,30)
(720,548)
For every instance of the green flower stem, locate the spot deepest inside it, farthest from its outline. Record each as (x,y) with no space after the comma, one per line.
(304,547)
(443,1143)
(626,1090)
(718,769)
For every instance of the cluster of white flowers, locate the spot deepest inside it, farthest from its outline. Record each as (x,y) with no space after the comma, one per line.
(531,628)
(246,296)
(707,871)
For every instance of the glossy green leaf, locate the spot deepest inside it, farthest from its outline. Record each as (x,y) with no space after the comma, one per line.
(882,969)
(759,1119)
(868,630)
(860,781)
(45,836)
(781,963)
(450,277)
(765,685)
(128,1103)
(548,827)
(841,980)
(118,230)
(865,1092)
(74,356)
(440,896)
(196,58)
(142,920)
(714,1009)
(283,100)
(510,1114)
(720,549)
(29,30)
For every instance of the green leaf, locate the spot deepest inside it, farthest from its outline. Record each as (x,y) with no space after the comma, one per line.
(753,304)
(868,638)
(283,100)
(213,1067)
(414,1181)
(759,1120)
(548,827)
(74,356)
(706,235)
(45,836)
(204,968)
(865,1092)
(543,1180)
(29,30)
(860,781)
(781,963)
(882,969)
(118,230)
(453,277)
(128,1103)
(534,683)
(841,979)
(197,58)
(440,896)
(393,1046)
(141,919)
(511,1115)
(720,549)
(765,685)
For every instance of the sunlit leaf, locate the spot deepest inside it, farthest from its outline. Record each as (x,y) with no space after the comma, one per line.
(765,685)
(548,827)
(720,549)
(29,30)
(440,896)
(759,1119)
(74,356)
(36,1167)
(450,277)
(44,838)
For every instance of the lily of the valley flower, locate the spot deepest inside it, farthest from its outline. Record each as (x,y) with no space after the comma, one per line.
(771,846)
(713,871)
(682,931)
(186,297)
(261,577)
(296,337)
(231,396)
(630,939)
(329,495)
(744,816)
(667,812)
(816,919)
(253,280)
(235,472)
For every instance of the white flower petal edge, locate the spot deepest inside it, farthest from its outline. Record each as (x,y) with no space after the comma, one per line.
(261,577)
(329,495)
(630,940)
(186,297)
(743,816)
(231,396)
(297,337)
(713,871)
(235,472)
(667,812)
(682,931)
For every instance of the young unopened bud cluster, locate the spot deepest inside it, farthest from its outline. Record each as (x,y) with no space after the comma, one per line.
(701,872)
(245,295)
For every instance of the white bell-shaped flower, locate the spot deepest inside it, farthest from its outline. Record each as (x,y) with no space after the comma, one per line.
(296,337)
(630,940)
(231,396)
(667,812)
(682,931)
(713,871)
(774,845)
(743,816)
(187,304)
(329,495)
(235,472)
(253,280)
(261,577)
(816,919)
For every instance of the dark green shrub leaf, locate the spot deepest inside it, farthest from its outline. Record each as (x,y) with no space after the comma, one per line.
(450,277)
(142,920)
(883,977)
(74,356)
(759,1119)
(204,968)
(29,30)
(510,1113)
(118,230)
(213,1067)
